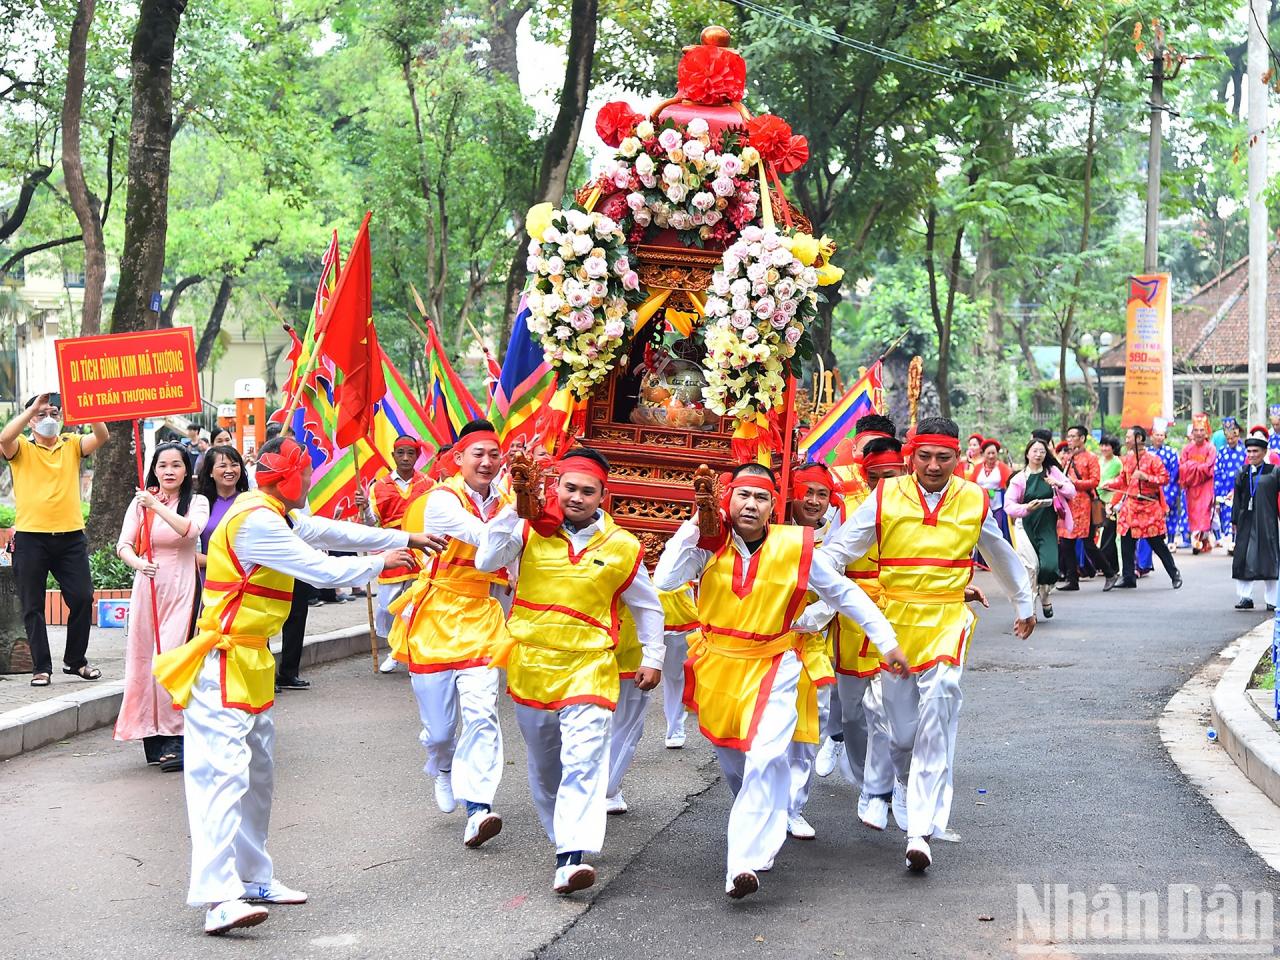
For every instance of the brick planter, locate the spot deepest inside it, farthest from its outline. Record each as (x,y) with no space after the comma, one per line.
(55,610)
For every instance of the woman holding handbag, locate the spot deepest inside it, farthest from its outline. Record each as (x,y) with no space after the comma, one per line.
(1082,469)
(158,540)
(1039,495)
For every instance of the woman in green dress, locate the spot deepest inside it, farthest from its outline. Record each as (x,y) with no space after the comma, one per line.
(1039,495)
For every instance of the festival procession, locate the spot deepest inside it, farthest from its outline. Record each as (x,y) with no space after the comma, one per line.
(710,513)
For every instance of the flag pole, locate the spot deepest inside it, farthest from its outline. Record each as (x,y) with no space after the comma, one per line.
(788,443)
(368,594)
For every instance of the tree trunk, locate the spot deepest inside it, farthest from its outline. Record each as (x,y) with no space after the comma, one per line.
(504,21)
(171,305)
(562,141)
(83,202)
(209,337)
(146,221)
(12,219)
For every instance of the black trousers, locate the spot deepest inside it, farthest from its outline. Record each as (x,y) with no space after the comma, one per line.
(1129,548)
(1106,562)
(66,556)
(294,630)
(1107,542)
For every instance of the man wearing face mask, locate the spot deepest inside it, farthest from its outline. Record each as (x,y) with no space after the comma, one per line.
(49,530)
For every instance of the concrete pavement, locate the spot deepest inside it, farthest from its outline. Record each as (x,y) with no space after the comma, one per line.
(1060,733)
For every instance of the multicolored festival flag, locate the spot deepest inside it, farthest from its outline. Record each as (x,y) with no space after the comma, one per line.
(864,397)
(450,405)
(525,385)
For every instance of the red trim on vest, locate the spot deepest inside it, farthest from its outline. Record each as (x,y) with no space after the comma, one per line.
(930,517)
(802,578)
(415,667)
(567,702)
(762,700)
(557,608)
(925,562)
(222,677)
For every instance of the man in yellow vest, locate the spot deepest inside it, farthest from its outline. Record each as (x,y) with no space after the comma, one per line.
(576,566)
(742,679)
(925,527)
(446,623)
(225,677)
(384,505)
(681,611)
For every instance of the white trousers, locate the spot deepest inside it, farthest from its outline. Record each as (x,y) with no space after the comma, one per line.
(673,682)
(835,713)
(625,730)
(228,773)
(460,732)
(568,753)
(1244,590)
(760,777)
(866,734)
(923,710)
(383,620)
(802,756)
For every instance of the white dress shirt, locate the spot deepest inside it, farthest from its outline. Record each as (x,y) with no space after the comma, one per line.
(502,542)
(857,535)
(683,560)
(266,540)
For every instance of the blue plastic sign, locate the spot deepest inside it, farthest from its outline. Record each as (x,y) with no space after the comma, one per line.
(155,303)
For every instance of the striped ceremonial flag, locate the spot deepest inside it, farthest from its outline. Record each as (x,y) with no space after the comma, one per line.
(398,413)
(862,398)
(525,385)
(450,405)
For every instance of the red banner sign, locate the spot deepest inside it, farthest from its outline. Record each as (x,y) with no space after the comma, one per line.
(126,376)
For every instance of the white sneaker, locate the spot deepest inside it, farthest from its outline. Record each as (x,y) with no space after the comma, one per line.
(231,915)
(481,826)
(444,793)
(573,877)
(946,836)
(874,813)
(900,805)
(675,741)
(800,828)
(389,665)
(615,804)
(742,885)
(767,867)
(918,855)
(828,757)
(272,892)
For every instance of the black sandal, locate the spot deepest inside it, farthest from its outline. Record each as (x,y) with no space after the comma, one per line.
(84,673)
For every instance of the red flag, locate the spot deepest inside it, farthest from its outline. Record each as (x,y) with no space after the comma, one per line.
(351,342)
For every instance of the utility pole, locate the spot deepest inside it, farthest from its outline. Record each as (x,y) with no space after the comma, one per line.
(1258,252)
(1151,246)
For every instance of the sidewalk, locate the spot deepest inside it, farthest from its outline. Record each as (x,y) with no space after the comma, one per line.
(31,717)
(1244,717)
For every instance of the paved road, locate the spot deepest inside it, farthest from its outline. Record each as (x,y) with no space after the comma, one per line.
(1060,732)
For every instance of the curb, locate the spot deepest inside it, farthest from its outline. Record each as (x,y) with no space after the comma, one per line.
(35,725)
(1246,734)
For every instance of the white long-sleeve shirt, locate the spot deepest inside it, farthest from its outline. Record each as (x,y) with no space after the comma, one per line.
(858,534)
(266,540)
(446,517)
(502,542)
(683,560)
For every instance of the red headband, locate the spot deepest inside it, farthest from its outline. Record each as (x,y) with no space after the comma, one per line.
(407,443)
(811,473)
(479,436)
(918,440)
(283,469)
(752,480)
(885,458)
(873,433)
(577,463)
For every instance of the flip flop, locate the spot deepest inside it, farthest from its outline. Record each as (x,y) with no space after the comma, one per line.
(84,673)
(40,680)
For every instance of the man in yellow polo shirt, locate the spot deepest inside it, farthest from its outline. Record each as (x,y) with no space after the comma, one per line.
(49,530)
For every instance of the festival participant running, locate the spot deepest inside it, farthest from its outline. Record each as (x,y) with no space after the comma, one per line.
(1140,510)
(814,504)
(742,680)
(1039,496)
(158,541)
(445,624)
(224,678)
(385,505)
(575,565)
(925,527)
(1257,554)
(1230,461)
(864,735)
(1195,476)
(1081,468)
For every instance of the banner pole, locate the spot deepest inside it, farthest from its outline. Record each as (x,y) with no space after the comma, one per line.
(788,444)
(145,528)
(368,595)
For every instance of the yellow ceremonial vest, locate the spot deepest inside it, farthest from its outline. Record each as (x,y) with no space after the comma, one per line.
(680,615)
(679,609)
(854,654)
(565,620)
(746,608)
(926,561)
(453,621)
(240,609)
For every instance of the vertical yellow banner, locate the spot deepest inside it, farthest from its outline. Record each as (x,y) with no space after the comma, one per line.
(1148,374)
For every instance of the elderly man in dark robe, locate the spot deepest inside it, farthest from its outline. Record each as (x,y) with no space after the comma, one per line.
(1257,521)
